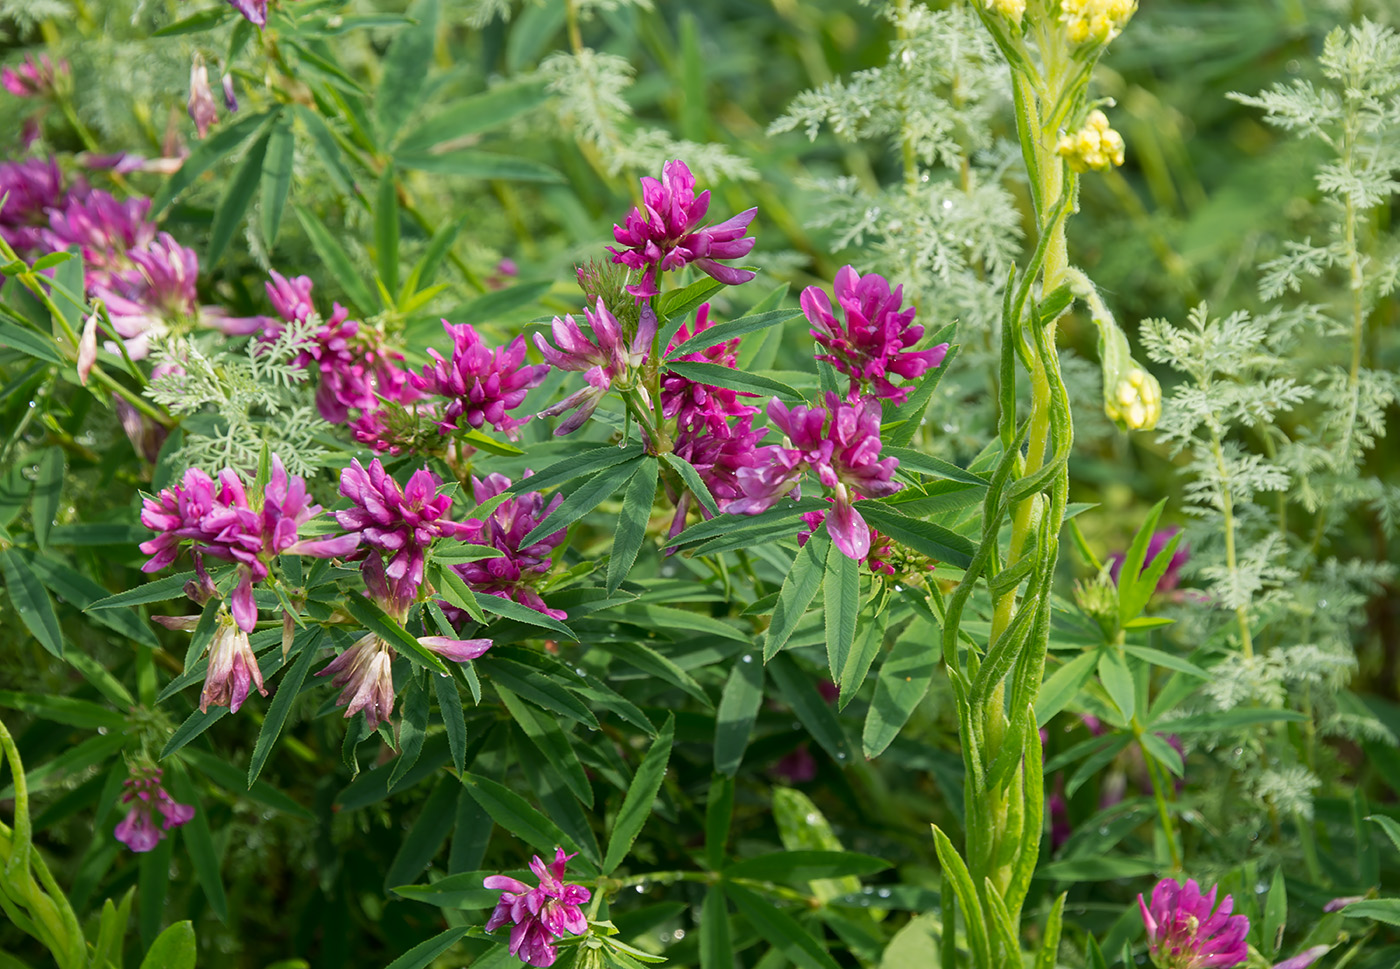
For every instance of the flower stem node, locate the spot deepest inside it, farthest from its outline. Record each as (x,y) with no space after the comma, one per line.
(1095,146)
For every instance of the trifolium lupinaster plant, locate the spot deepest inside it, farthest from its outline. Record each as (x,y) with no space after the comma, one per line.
(463,504)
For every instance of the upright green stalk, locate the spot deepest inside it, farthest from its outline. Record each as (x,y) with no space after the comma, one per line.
(1051,47)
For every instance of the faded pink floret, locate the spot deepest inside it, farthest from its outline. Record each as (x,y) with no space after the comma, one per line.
(144,792)
(841,444)
(1185,930)
(666,233)
(516,573)
(233,669)
(217,520)
(202,108)
(399,523)
(608,358)
(34,78)
(872,344)
(31,189)
(541,915)
(481,384)
(881,548)
(364,675)
(692,404)
(158,290)
(254,11)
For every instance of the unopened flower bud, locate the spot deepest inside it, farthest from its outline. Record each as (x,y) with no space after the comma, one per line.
(1093,22)
(1095,146)
(1012,10)
(1135,402)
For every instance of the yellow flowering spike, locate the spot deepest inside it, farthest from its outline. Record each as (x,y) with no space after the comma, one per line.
(1095,146)
(1095,21)
(1135,404)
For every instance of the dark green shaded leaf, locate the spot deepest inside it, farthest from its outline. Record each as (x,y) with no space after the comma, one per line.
(37,345)
(799,867)
(205,155)
(551,741)
(279,161)
(422,954)
(48,493)
(238,195)
(427,836)
(799,589)
(29,599)
(738,707)
(815,714)
(281,706)
(632,521)
(199,845)
(902,684)
(338,261)
(475,114)
(637,804)
(780,929)
(511,812)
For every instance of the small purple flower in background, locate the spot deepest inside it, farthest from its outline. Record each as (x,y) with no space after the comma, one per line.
(1305,958)
(399,523)
(1186,931)
(230,97)
(693,404)
(203,111)
(665,233)
(364,675)
(35,78)
(1172,576)
(514,575)
(254,11)
(541,915)
(233,669)
(798,766)
(144,792)
(30,188)
(481,384)
(1057,808)
(873,343)
(606,359)
(842,445)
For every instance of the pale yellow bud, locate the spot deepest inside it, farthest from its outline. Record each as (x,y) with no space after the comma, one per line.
(1012,10)
(1135,402)
(1095,147)
(1095,21)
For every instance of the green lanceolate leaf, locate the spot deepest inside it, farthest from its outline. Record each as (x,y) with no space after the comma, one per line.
(48,494)
(719,812)
(935,541)
(31,601)
(745,383)
(281,707)
(369,615)
(338,261)
(544,732)
(422,954)
(632,521)
(902,684)
(513,813)
(780,929)
(799,867)
(386,230)
(238,195)
(693,481)
(471,163)
(474,115)
(199,844)
(841,604)
(425,839)
(279,161)
(581,499)
(798,591)
(870,639)
(206,154)
(453,718)
(405,70)
(576,466)
(716,949)
(413,727)
(812,710)
(738,707)
(722,332)
(172,949)
(636,805)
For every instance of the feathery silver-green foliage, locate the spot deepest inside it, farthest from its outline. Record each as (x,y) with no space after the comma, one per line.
(1276,416)
(235,402)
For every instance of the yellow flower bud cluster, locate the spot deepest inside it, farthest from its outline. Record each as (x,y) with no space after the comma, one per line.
(1012,10)
(1095,146)
(1095,21)
(1135,404)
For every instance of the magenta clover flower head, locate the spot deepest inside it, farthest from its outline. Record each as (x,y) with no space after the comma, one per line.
(146,795)
(481,383)
(842,445)
(30,189)
(105,228)
(221,522)
(538,916)
(233,669)
(1172,576)
(872,344)
(666,233)
(399,523)
(692,404)
(1185,930)
(515,573)
(34,78)
(718,458)
(202,107)
(607,359)
(364,675)
(157,290)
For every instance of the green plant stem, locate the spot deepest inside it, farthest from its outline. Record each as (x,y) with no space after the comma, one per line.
(1227,508)
(1159,783)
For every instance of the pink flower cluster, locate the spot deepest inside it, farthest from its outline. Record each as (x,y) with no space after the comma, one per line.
(143,791)
(539,916)
(397,524)
(607,359)
(691,404)
(481,384)
(841,444)
(34,78)
(217,519)
(356,368)
(873,343)
(515,574)
(1185,930)
(666,233)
